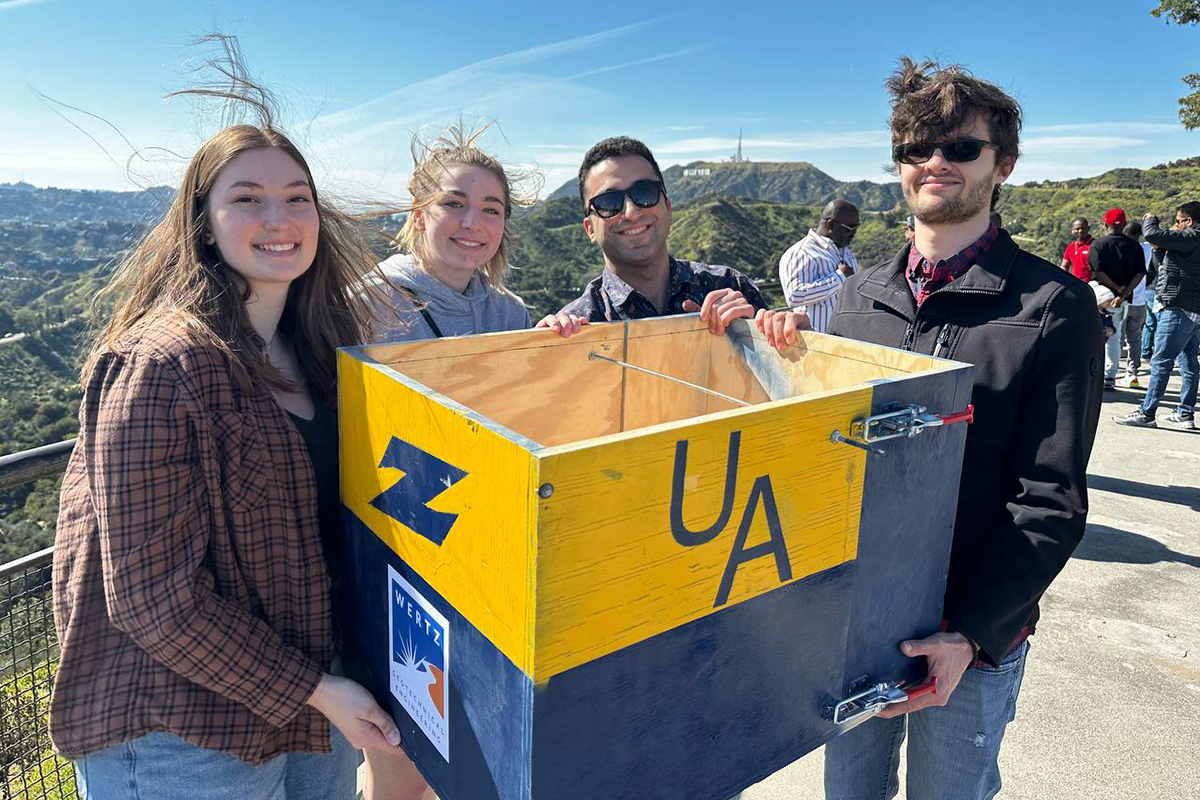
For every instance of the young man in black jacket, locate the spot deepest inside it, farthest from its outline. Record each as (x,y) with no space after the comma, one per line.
(964,290)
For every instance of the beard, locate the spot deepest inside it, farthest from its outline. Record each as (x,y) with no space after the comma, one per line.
(974,198)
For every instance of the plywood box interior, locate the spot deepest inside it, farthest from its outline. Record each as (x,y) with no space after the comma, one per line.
(556,393)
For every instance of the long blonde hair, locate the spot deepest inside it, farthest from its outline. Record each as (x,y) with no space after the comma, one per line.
(453,146)
(174,271)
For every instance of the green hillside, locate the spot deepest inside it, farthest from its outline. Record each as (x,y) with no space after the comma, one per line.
(554,260)
(50,269)
(1040,214)
(779,182)
(25,203)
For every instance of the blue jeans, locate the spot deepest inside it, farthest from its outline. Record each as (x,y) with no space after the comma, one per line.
(952,750)
(1112,352)
(1148,330)
(163,766)
(1176,340)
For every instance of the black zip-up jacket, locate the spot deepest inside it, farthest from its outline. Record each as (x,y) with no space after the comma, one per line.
(1032,332)
(1178,283)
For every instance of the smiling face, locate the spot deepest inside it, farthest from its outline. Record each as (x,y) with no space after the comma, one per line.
(941,192)
(462,228)
(636,237)
(1080,229)
(262,218)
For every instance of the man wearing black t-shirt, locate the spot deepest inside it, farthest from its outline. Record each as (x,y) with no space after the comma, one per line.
(1118,263)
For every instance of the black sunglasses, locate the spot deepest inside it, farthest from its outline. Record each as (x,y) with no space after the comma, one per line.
(644,194)
(956,150)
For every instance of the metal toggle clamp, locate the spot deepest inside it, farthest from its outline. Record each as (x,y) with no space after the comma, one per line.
(870,701)
(897,422)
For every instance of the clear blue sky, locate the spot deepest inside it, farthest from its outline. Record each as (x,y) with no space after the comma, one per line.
(1099,83)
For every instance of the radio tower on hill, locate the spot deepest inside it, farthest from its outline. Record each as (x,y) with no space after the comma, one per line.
(737,158)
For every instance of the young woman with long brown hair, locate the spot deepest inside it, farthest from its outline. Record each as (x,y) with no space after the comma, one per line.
(198,523)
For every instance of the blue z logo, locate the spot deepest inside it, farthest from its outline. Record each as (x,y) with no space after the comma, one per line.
(425,477)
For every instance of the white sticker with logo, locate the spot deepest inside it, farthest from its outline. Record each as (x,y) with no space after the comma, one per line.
(419,655)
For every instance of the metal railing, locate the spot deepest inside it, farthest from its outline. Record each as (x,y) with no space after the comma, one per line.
(29,770)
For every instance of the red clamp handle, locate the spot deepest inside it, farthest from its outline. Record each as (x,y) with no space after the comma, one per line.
(924,688)
(967,416)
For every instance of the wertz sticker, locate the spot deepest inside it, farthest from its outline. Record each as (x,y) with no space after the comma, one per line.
(419,657)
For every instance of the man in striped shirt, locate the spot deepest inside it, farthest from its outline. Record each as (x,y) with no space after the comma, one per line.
(813,269)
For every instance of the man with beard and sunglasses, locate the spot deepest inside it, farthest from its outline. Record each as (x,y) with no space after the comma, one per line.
(813,270)
(628,214)
(964,290)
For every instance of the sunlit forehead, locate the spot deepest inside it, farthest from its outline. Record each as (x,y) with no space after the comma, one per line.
(264,169)
(471,183)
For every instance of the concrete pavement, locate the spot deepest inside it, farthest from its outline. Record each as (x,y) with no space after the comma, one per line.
(1110,706)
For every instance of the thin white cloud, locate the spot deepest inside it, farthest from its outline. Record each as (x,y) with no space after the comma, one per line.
(778,145)
(1098,128)
(441,84)
(8,5)
(1077,144)
(652,59)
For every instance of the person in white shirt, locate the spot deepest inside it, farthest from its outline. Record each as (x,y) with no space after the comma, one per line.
(813,269)
(1135,317)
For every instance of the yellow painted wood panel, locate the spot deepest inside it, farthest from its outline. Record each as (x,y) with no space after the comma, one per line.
(484,566)
(610,571)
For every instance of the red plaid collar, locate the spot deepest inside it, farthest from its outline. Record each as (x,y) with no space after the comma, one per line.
(926,277)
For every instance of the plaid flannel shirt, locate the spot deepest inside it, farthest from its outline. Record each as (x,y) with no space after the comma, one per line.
(191,593)
(926,277)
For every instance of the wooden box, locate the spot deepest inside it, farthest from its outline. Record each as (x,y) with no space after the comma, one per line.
(568,578)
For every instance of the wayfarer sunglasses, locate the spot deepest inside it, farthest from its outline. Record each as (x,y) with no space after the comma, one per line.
(644,194)
(956,150)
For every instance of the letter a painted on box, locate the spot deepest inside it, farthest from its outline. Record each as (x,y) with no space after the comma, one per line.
(425,477)
(774,545)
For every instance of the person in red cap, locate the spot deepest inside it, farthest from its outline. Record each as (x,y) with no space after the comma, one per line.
(1118,263)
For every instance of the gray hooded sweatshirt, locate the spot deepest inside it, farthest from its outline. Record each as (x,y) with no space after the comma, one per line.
(482,308)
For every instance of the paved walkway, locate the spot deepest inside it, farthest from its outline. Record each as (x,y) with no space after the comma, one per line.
(1110,707)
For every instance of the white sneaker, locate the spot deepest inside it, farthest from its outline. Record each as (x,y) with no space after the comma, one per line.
(1183,422)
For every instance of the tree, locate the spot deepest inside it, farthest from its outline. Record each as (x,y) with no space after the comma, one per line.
(1184,12)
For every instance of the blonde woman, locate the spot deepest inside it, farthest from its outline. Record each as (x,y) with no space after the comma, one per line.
(198,520)
(448,278)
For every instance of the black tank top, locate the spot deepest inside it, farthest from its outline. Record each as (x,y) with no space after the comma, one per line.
(320,436)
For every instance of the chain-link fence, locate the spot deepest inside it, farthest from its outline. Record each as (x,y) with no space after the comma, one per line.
(29,770)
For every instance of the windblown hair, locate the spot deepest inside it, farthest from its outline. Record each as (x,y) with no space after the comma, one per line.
(614,147)
(930,101)
(452,147)
(175,272)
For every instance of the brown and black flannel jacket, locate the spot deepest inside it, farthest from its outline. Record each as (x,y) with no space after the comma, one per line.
(191,593)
